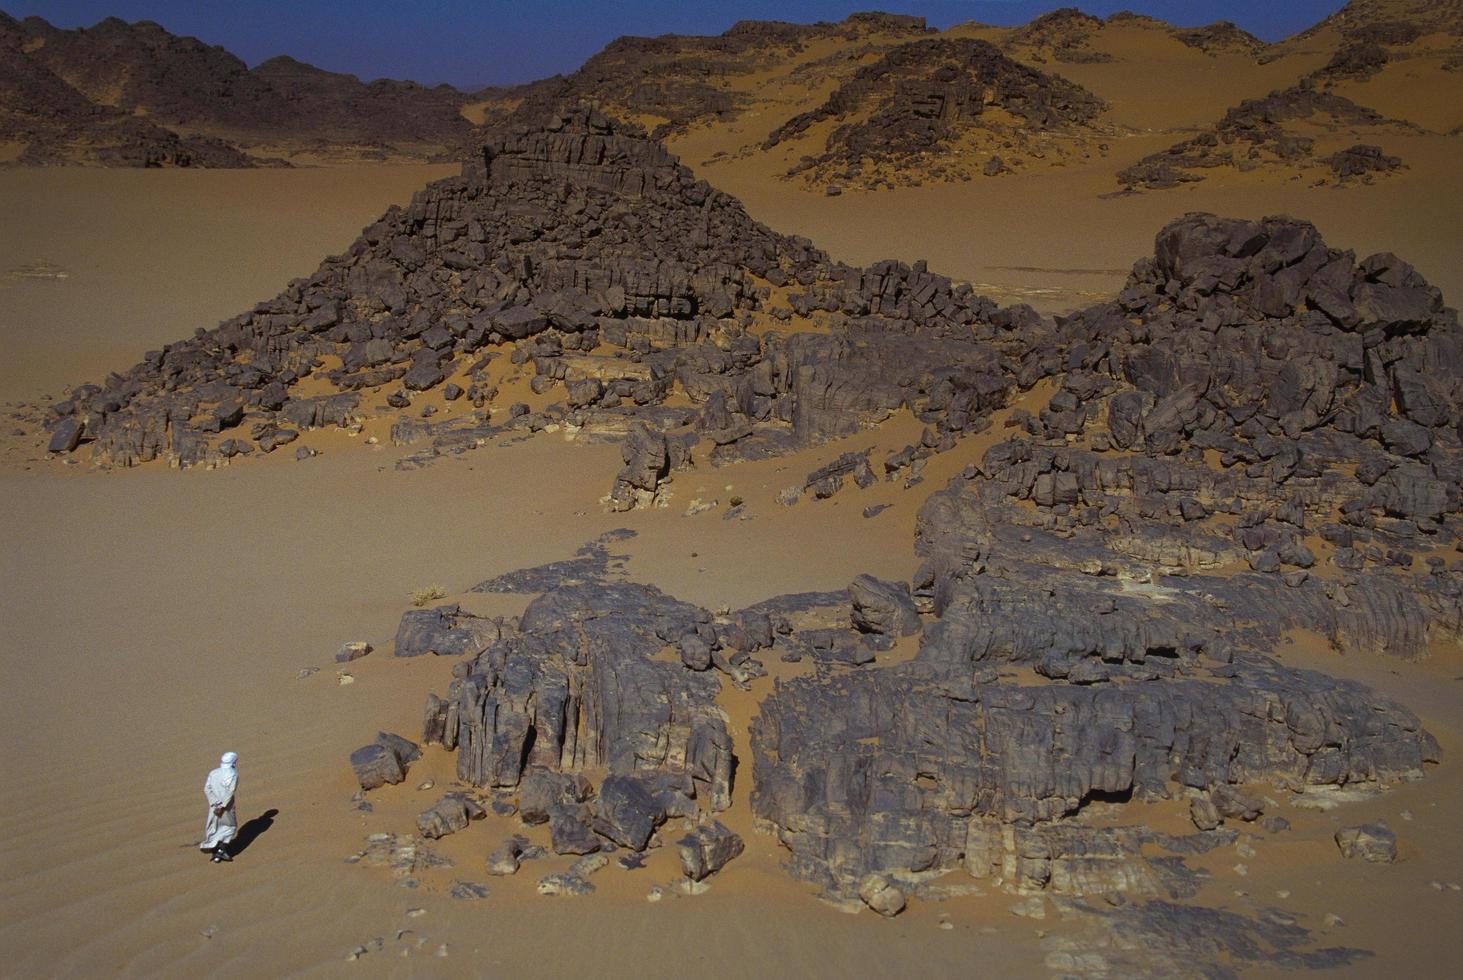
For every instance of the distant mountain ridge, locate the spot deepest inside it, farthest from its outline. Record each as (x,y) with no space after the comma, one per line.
(136,94)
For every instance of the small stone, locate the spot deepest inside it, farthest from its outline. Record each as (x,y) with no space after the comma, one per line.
(1274,824)
(428,784)
(1033,908)
(354,650)
(1204,814)
(468,890)
(343,678)
(306,672)
(415,913)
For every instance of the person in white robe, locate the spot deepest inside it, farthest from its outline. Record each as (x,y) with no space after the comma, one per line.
(222,824)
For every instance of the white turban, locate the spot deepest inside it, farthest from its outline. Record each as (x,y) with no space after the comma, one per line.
(229,758)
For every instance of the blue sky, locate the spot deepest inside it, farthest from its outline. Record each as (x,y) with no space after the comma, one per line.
(471,44)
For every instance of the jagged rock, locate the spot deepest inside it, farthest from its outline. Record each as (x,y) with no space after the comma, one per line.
(446,631)
(708,849)
(447,816)
(506,858)
(354,650)
(1231,803)
(1262,132)
(570,831)
(540,790)
(564,883)
(66,435)
(882,895)
(627,811)
(913,753)
(883,607)
(1204,813)
(920,98)
(576,688)
(384,760)
(1360,160)
(1373,842)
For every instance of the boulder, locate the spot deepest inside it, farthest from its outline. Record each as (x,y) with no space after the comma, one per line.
(707,850)
(881,607)
(1373,842)
(447,816)
(882,895)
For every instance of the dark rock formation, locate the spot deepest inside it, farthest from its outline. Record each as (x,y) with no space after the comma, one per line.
(1063,35)
(1361,160)
(923,96)
(1220,37)
(1217,412)
(882,607)
(708,849)
(681,80)
(575,690)
(384,761)
(1372,842)
(1259,133)
(448,815)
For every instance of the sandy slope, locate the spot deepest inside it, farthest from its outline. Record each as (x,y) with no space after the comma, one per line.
(155,618)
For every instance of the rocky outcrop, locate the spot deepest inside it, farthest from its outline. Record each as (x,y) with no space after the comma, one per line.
(1204,479)
(498,256)
(578,688)
(678,80)
(1372,842)
(921,99)
(708,849)
(1220,37)
(1362,160)
(384,761)
(1264,134)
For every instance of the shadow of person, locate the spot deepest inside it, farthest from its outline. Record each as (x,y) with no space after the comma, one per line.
(251,830)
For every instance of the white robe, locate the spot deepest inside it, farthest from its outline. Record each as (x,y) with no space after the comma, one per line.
(220,828)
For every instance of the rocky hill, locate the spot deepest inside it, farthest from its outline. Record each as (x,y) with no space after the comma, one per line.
(45,121)
(960,101)
(1302,130)
(671,82)
(69,95)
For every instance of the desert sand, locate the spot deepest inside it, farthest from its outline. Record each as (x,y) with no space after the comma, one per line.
(155,618)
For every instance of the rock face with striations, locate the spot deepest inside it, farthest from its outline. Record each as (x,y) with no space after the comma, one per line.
(1254,402)
(576,688)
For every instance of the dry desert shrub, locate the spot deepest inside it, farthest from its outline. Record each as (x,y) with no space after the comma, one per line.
(422,596)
